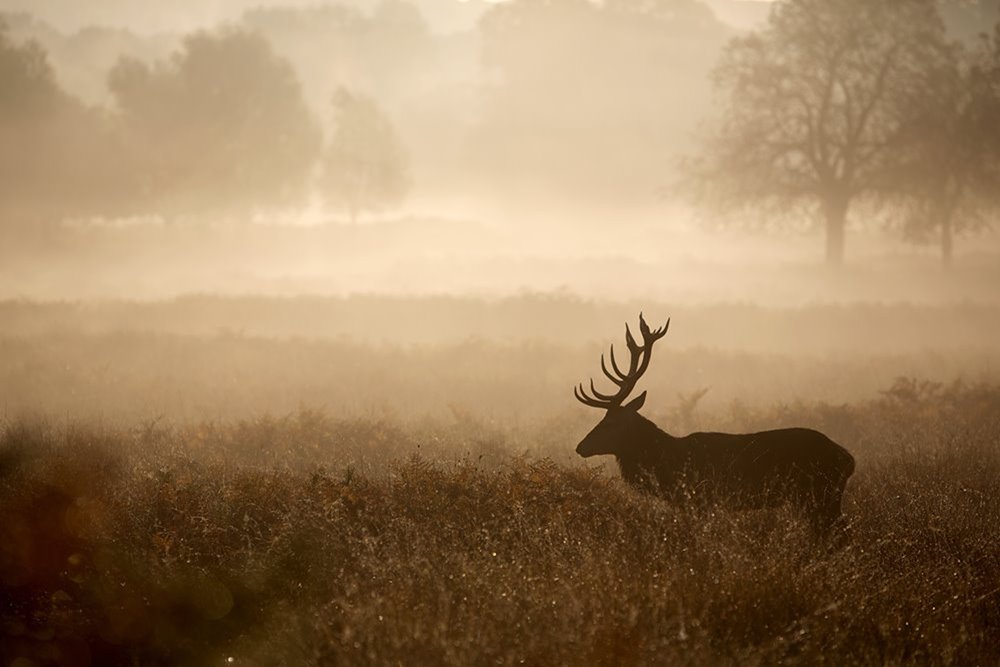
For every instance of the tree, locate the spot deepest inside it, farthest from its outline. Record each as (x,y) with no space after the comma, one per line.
(53,149)
(950,180)
(220,128)
(365,166)
(809,107)
(966,19)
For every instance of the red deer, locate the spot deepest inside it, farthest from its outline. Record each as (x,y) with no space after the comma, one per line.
(754,470)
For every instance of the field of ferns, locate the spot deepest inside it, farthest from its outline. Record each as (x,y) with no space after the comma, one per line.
(315,536)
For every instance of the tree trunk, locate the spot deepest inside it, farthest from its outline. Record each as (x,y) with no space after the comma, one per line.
(947,242)
(954,192)
(836,220)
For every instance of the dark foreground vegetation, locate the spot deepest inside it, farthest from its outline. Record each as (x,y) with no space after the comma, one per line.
(317,540)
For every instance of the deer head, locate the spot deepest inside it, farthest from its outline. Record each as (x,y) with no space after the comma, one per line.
(622,424)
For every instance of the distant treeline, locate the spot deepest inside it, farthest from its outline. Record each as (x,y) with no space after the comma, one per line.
(218,129)
(828,111)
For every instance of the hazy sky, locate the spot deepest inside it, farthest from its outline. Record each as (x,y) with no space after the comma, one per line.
(161,15)
(182,15)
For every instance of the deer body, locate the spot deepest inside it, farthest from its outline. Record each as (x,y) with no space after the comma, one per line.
(754,470)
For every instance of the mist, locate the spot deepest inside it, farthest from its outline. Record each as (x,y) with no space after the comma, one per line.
(308,309)
(543,145)
(519,172)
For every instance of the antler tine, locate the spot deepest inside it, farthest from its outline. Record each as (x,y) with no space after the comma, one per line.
(618,378)
(598,395)
(640,355)
(624,380)
(583,398)
(661,332)
(607,373)
(643,327)
(581,395)
(614,364)
(633,347)
(650,337)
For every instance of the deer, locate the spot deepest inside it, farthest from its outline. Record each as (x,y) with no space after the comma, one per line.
(796,466)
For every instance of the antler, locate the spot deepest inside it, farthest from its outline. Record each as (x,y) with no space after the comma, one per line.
(639,356)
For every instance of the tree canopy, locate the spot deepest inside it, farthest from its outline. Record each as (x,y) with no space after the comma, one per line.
(221,127)
(51,145)
(811,107)
(951,169)
(365,167)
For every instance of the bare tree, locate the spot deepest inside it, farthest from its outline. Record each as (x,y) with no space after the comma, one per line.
(951,180)
(809,113)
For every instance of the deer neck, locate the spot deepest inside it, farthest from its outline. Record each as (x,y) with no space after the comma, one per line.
(647,445)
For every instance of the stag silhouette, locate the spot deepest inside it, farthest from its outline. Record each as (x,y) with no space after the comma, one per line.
(754,470)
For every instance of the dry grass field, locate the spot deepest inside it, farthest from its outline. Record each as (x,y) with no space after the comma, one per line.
(341,532)
(294,297)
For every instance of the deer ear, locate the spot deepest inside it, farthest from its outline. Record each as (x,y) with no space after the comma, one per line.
(636,404)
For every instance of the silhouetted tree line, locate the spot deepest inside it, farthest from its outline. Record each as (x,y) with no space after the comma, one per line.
(834,111)
(838,109)
(48,140)
(219,129)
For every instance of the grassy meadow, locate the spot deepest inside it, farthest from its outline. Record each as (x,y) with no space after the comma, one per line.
(286,486)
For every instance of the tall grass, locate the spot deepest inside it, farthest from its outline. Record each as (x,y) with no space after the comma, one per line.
(311,539)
